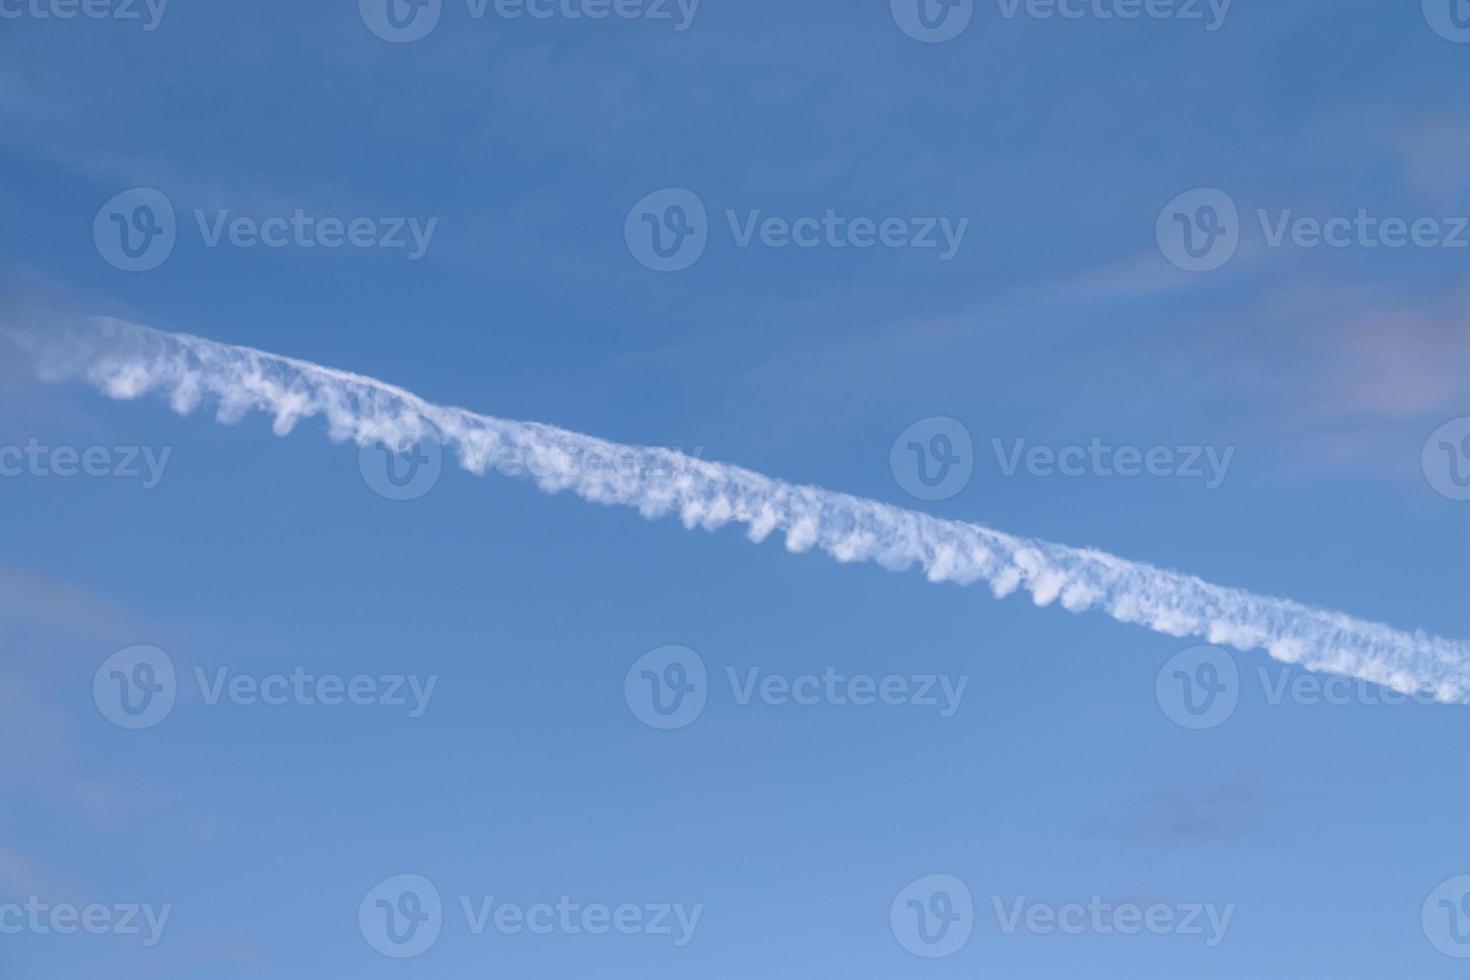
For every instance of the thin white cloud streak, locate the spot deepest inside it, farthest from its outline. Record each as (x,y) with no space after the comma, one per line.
(127,361)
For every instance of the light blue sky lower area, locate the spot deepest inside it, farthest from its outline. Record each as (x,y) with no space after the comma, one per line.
(1071,770)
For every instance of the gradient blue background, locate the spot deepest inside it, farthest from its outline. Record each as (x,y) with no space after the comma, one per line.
(529,777)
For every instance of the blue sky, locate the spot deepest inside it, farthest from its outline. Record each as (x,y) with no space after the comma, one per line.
(1059,320)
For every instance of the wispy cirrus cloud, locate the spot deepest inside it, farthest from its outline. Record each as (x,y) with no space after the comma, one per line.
(128,361)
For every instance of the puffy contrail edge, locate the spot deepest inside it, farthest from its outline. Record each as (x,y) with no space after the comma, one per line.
(127,361)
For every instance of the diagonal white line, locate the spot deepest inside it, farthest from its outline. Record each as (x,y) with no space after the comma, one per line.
(127,361)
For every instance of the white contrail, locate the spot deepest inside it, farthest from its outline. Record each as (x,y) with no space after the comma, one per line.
(126,361)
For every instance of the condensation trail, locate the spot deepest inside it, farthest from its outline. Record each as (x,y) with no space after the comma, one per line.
(127,361)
